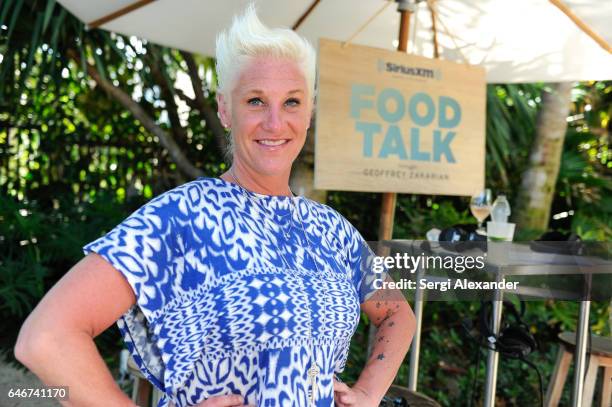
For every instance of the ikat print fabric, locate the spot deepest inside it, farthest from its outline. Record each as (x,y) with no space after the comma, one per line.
(227,292)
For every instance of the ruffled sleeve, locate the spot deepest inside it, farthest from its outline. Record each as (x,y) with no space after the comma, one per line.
(146,248)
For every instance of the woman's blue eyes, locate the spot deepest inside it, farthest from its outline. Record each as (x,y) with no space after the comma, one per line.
(259,102)
(254,101)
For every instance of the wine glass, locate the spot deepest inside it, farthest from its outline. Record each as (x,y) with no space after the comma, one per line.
(480,206)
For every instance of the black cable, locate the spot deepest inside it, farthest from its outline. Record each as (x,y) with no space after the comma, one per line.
(540,381)
(482,342)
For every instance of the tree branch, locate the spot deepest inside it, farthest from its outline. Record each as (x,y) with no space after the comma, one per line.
(166,93)
(209,113)
(138,112)
(190,102)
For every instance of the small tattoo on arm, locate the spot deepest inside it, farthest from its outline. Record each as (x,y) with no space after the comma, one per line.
(380,356)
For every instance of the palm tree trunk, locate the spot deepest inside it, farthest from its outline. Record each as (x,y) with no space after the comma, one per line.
(538,182)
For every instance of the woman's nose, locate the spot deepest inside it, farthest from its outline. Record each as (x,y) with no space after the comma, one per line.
(272,121)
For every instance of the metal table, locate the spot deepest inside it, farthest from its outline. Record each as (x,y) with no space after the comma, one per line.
(518,260)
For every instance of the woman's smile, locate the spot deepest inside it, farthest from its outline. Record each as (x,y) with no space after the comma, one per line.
(269,144)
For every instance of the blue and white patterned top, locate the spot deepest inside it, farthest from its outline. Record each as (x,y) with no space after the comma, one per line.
(217,310)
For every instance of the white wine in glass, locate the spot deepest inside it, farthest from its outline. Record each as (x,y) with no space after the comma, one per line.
(480,206)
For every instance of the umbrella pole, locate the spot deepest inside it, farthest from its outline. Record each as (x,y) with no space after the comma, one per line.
(405,8)
(389,199)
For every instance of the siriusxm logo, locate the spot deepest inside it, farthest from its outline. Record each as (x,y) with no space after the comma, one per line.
(408,70)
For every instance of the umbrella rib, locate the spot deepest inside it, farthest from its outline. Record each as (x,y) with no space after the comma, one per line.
(118,13)
(582,25)
(364,25)
(304,16)
(452,37)
(434,28)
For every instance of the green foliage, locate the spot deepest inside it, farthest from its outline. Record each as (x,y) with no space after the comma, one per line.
(511,113)
(58,125)
(416,215)
(44,243)
(584,186)
(21,263)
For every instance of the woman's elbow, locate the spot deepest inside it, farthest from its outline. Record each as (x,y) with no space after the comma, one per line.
(20,350)
(33,343)
(23,347)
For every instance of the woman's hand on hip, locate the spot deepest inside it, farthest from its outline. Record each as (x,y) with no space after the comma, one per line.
(346,396)
(232,400)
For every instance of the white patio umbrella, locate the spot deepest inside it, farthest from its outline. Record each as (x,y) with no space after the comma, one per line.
(516,41)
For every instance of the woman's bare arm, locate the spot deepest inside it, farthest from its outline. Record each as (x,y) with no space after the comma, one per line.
(396,324)
(56,340)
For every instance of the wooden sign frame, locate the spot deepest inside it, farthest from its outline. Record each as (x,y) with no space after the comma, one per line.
(392,122)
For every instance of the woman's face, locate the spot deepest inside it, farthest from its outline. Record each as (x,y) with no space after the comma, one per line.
(269,115)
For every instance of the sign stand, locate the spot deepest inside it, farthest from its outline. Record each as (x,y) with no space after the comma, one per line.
(387,213)
(389,199)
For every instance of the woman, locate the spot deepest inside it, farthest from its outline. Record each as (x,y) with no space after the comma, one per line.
(231,290)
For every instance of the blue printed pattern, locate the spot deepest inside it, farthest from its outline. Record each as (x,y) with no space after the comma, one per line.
(217,310)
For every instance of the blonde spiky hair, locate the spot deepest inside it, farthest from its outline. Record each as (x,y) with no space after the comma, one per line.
(248,38)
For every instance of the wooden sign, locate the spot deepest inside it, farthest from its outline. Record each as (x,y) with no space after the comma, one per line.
(393,122)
